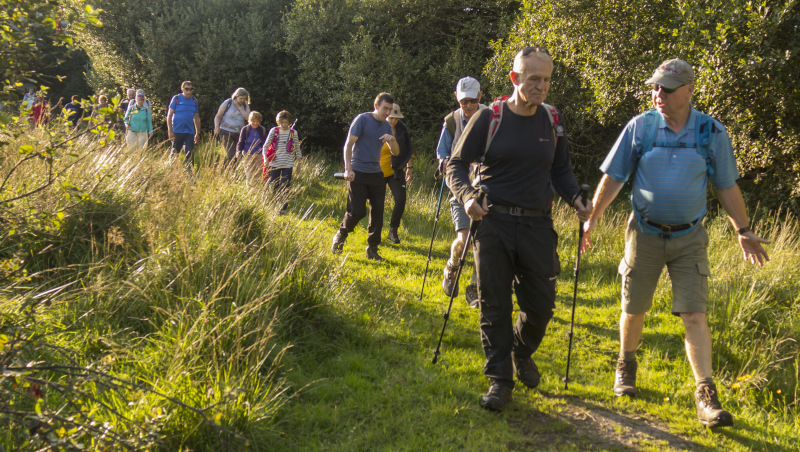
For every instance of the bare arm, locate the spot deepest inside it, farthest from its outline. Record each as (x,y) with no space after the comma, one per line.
(348,157)
(196,127)
(751,244)
(170,114)
(218,117)
(606,192)
(392,142)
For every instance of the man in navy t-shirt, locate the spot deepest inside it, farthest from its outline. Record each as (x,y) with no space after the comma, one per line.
(362,153)
(183,122)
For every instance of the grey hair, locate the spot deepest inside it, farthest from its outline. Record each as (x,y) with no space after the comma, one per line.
(241,92)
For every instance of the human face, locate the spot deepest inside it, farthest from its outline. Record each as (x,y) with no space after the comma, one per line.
(187,91)
(139,101)
(469,106)
(533,82)
(393,121)
(383,110)
(241,99)
(672,104)
(254,123)
(284,124)
(131,94)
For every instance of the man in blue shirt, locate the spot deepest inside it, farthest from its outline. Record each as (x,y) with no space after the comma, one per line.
(670,167)
(183,122)
(468,94)
(362,168)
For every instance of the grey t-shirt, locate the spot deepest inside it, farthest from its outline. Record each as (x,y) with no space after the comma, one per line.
(367,150)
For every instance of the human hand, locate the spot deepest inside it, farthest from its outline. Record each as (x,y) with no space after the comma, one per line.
(196,138)
(584,210)
(586,240)
(387,137)
(752,249)
(349,175)
(476,211)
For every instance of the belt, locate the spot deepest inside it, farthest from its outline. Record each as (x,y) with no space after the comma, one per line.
(670,228)
(519,211)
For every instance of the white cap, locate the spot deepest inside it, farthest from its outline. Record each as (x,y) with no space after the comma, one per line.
(467,88)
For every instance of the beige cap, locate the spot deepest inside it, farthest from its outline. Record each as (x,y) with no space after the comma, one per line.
(672,74)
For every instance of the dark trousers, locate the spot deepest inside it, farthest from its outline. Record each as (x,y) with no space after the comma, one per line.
(280,178)
(365,187)
(229,141)
(398,189)
(519,253)
(185,140)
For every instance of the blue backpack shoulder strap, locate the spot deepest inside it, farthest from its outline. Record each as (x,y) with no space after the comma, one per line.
(704,127)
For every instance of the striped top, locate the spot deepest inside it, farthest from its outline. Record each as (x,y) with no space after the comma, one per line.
(282,158)
(671,180)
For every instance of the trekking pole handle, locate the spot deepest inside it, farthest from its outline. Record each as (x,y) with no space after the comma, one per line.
(583,193)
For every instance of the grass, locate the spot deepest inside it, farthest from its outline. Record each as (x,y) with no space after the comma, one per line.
(218,323)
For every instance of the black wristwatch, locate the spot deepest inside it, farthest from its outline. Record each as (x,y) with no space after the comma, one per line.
(744,230)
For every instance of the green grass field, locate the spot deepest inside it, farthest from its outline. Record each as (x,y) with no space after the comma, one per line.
(147,308)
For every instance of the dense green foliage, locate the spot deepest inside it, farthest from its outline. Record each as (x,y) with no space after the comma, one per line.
(746,57)
(350,50)
(217,44)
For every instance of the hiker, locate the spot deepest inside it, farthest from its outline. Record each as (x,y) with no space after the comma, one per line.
(74,110)
(40,113)
(251,140)
(397,169)
(362,153)
(525,156)
(102,102)
(280,151)
(28,99)
(232,115)
(130,97)
(138,120)
(468,94)
(671,153)
(183,122)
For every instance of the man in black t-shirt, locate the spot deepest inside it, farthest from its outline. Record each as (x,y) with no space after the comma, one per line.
(515,244)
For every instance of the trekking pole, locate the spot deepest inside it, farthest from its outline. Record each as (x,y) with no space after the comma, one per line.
(582,196)
(430,248)
(473,225)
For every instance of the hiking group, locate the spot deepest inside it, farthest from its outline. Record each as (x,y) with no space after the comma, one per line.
(516,150)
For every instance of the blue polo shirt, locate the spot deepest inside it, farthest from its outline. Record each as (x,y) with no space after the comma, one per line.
(671,180)
(367,150)
(185,109)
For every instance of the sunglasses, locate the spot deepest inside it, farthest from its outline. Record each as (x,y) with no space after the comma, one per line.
(534,49)
(189,88)
(665,90)
(468,101)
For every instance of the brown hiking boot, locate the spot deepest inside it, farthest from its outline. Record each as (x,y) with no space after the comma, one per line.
(472,295)
(372,254)
(496,398)
(449,283)
(625,378)
(709,410)
(526,371)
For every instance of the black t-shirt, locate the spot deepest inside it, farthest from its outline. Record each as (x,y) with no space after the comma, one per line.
(522,165)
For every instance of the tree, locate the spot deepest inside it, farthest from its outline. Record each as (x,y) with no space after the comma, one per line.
(745,56)
(217,44)
(348,51)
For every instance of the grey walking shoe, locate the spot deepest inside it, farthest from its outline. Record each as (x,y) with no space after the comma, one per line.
(625,378)
(709,410)
(526,371)
(497,397)
(338,241)
(472,295)
(449,283)
(392,236)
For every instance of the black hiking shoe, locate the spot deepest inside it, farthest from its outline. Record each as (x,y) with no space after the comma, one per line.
(392,236)
(496,398)
(526,371)
(709,410)
(625,378)
(471,294)
(372,254)
(338,241)
(449,283)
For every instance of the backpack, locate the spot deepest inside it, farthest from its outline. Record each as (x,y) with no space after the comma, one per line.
(272,149)
(704,126)
(497,117)
(175,100)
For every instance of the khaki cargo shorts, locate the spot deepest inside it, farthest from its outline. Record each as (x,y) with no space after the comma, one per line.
(686,259)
